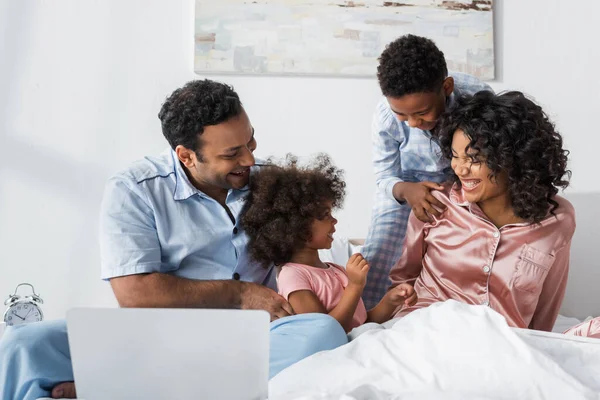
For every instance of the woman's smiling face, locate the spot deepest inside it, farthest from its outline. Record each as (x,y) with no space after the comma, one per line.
(473,172)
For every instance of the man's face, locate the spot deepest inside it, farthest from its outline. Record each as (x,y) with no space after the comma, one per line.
(226,155)
(422,110)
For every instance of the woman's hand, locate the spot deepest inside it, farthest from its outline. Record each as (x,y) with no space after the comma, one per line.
(357,270)
(419,198)
(404,293)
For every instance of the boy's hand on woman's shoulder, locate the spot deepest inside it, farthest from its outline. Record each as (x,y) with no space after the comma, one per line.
(419,198)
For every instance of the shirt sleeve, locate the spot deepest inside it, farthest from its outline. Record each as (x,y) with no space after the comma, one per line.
(292,279)
(478,86)
(589,329)
(469,84)
(553,292)
(128,237)
(386,138)
(409,266)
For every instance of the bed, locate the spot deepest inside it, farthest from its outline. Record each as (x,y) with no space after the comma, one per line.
(448,351)
(454,351)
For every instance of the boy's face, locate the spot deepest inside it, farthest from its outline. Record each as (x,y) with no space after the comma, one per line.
(422,110)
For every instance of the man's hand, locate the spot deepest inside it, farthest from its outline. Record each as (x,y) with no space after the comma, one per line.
(404,293)
(418,196)
(258,297)
(357,269)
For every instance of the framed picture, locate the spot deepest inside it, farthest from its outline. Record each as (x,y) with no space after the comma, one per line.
(338,38)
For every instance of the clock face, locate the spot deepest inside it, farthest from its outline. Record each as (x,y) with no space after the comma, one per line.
(21,313)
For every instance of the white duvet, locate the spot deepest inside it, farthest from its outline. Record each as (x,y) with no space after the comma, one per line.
(448,351)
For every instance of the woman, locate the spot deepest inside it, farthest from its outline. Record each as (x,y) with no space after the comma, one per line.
(505,238)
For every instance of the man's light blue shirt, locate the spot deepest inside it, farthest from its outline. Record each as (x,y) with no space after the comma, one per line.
(154,220)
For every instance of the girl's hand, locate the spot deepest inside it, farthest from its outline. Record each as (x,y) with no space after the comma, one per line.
(404,293)
(357,270)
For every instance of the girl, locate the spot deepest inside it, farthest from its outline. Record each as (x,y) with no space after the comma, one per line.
(288,219)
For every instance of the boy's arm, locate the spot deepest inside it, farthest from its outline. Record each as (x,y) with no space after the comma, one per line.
(305,301)
(386,138)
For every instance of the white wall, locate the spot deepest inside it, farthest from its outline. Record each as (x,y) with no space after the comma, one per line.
(81,82)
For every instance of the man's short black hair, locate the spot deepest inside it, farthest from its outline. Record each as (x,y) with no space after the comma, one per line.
(411,64)
(188,110)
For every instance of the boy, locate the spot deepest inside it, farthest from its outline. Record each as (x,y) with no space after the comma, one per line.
(408,163)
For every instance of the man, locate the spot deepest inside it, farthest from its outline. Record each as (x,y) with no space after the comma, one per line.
(417,89)
(170,238)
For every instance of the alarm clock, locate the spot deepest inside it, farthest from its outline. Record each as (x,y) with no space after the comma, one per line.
(22,310)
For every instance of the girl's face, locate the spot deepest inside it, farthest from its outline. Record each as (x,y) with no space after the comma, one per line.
(322,230)
(474,174)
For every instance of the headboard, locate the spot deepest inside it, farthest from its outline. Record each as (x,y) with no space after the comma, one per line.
(583,289)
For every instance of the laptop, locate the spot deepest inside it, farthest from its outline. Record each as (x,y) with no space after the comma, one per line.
(127,353)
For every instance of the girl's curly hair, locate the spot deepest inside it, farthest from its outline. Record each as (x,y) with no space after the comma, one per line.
(512,134)
(283,202)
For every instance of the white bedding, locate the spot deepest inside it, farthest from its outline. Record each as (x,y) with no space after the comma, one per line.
(347,373)
(370,368)
(448,351)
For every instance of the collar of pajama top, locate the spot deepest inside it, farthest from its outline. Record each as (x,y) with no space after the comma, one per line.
(519,270)
(154,220)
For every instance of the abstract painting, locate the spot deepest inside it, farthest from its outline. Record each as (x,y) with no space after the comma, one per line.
(339,38)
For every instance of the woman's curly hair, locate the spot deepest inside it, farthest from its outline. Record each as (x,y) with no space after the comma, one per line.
(283,202)
(512,134)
